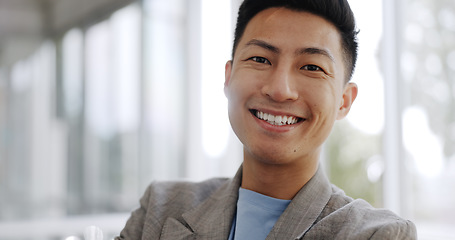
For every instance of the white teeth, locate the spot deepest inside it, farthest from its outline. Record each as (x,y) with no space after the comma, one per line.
(276,120)
(291,120)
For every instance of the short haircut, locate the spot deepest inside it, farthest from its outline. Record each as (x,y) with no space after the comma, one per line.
(338,12)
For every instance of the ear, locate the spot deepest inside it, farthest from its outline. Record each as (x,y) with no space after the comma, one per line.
(227,75)
(349,95)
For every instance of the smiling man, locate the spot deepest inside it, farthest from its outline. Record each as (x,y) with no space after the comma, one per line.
(287,84)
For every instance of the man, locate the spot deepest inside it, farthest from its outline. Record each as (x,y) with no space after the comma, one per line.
(287,83)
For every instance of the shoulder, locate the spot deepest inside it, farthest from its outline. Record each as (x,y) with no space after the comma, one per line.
(347,218)
(184,194)
(163,200)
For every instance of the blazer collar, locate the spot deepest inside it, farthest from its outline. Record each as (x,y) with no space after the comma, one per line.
(304,209)
(212,219)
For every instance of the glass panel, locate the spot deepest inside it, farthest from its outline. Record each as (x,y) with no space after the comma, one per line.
(126,76)
(112,117)
(3,134)
(34,173)
(353,153)
(165,109)
(216,50)
(16,184)
(427,73)
(72,53)
(99,134)
(72,92)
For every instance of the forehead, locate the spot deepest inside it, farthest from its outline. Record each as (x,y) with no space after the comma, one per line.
(290,30)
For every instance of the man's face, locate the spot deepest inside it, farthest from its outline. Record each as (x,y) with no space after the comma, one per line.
(286,86)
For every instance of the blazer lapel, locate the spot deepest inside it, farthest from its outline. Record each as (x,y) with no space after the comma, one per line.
(304,209)
(173,229)
(212,219)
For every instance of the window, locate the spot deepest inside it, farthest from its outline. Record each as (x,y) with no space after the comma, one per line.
(89,120)
(353,155)
(427,79)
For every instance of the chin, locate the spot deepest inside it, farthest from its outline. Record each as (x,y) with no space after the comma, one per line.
(272,156)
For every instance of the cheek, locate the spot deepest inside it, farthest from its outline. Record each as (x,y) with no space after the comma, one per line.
(319,96)
(323,102)
(247,78)
(241,89)
(236,96)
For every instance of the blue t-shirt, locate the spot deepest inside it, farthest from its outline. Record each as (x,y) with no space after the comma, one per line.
(256,215)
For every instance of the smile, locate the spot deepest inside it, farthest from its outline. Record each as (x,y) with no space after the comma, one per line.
(276,120)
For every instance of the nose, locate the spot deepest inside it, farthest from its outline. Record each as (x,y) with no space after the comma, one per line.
(280,86)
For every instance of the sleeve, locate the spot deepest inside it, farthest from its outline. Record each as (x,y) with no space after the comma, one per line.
(400,230)
(135,224)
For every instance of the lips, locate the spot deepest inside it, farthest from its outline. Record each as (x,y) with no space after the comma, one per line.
(277,120)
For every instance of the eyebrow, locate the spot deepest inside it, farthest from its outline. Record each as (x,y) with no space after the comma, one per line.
(301,51)
(264,45)
(315,51)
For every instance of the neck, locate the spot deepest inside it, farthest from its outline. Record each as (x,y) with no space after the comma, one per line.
(282,181)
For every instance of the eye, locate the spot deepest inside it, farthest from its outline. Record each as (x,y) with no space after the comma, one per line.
(260,60)
(312,68)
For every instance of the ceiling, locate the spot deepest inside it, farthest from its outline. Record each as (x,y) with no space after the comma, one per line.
(25,23)
(21,24)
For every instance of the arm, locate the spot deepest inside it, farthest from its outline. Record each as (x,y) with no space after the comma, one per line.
(400,230)
(134,226)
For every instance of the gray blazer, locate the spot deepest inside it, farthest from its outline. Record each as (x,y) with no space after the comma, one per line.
(205,210)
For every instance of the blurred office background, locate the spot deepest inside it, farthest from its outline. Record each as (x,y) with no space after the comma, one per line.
(98,98)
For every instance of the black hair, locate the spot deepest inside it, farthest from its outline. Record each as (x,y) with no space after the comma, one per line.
(338,12)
